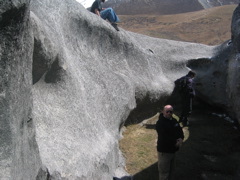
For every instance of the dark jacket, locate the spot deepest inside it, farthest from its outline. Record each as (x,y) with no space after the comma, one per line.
(185,86)
(168,131)
(96,5)
(190,86)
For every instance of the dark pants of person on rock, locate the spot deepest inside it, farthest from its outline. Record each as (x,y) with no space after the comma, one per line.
(186,109)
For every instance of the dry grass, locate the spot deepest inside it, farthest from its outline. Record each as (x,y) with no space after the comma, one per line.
(211,26)
(139,146)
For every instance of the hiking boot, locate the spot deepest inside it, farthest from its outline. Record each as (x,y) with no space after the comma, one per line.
(115,26)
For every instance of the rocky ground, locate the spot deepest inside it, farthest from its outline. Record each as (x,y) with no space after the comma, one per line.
(211,150)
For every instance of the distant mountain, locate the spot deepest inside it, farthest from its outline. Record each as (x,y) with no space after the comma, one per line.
(162,7)
(213,3)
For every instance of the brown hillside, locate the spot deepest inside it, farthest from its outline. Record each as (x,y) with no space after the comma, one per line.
(153,7)
(210,26)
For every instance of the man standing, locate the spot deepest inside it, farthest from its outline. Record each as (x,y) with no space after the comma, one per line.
(187,95)
(107,13)
(170,138)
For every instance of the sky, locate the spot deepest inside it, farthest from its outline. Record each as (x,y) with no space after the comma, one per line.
(86,3)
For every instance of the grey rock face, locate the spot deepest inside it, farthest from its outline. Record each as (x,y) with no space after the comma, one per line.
(63,120)
(233,87)
(211,80)
(77,93)
(19,157)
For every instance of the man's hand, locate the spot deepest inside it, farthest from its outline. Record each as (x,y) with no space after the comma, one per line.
(97,12)
(179,142)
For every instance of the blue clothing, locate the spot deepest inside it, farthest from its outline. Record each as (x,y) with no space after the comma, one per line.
(107,13)
(110,15)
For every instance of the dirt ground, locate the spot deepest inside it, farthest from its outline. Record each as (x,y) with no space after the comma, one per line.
(211,150)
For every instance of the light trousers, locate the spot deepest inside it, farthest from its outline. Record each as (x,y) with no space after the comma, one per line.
(166,165)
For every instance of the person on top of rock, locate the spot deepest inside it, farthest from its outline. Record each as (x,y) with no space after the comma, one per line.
(107,13)
(170,139)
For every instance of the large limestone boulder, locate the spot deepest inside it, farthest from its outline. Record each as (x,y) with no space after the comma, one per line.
(19,157)
(70,81)
(87,78)
(212,76)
